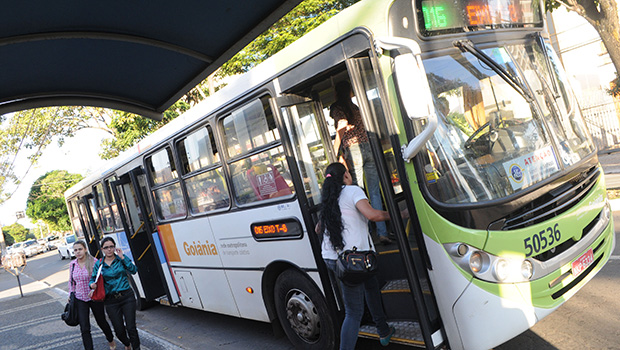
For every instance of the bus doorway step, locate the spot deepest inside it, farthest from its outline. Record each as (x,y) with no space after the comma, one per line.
(407,333)
(164,301)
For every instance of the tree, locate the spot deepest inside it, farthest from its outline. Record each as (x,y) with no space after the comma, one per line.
(129,128)
(306,16)
(17,232)
(8,239)
(603,16)
(26,134)
(46,199)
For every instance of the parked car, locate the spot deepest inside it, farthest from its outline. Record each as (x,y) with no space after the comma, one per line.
(32,248)
(65,249)
(17,248)
(43,243)
(53,242)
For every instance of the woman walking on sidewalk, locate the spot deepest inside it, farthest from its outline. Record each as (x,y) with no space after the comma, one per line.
(120,301)
(80,271)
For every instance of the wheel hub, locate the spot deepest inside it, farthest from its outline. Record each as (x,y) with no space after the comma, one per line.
(302,315)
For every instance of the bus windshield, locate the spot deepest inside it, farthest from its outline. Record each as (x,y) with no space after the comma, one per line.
(493,140)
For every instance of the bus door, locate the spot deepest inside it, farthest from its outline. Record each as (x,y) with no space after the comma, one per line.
(407,297)
(130,191)
(407,293)
(90,225)
(405,262)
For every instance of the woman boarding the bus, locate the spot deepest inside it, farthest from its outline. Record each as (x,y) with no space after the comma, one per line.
(344,223)
(81,270)
(120,301)
(351,136)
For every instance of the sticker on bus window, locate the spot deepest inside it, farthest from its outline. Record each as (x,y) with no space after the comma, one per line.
(276,229)
(531,168)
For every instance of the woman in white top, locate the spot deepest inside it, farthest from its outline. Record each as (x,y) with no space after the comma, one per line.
(344,222)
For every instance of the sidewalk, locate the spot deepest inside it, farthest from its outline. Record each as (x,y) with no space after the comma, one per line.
(610,160)
(32,322)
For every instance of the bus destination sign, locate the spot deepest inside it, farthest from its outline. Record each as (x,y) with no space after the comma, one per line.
(465,15)
(282,228)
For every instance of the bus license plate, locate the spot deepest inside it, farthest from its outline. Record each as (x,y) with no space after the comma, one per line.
(582,263)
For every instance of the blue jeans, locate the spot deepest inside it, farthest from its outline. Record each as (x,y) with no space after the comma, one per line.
(361,164)
(353,297)
(122,314)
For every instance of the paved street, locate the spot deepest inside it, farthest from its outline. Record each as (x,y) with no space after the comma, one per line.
(33,322)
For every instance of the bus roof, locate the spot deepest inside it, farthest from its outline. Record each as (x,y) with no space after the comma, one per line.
(135,56)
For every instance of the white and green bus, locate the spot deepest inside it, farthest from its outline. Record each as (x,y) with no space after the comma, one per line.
(475,133)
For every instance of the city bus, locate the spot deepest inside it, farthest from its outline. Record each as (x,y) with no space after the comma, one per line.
(476,135)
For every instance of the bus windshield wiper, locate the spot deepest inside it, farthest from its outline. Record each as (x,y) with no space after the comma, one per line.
(468,46)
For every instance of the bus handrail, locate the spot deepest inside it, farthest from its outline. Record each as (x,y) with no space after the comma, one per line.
(413,85)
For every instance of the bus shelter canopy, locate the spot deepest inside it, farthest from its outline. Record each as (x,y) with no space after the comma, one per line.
(138,56)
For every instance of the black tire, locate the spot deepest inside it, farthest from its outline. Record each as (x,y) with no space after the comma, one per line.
(303,313)
(62,257)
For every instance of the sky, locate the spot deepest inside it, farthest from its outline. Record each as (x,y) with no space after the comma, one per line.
(78,155)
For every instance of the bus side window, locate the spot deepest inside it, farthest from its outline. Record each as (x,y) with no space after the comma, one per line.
(169,201)
(103,209)
(258,166)
(202,172)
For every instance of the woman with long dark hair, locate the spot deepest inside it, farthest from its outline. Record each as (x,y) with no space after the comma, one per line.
(351,136)
(80,271)
(120,300)
(344,223)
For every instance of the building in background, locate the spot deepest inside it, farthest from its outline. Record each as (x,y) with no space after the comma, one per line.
(590,71)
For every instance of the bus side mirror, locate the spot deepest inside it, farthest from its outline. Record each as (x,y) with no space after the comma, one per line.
(413,88)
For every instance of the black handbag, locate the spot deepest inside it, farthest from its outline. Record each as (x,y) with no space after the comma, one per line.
(356,266)
(70,315)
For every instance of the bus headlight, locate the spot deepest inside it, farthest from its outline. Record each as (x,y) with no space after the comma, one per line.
(527,269)
(501,269)
(489,267)
(478,261)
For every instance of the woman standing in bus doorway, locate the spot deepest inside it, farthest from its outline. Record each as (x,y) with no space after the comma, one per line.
(80,271)
(351,135)
(120,301)
(343,220)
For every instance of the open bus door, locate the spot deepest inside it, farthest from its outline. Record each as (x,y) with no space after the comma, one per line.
(90,222)
(407,295)
(137,218)
(406,272)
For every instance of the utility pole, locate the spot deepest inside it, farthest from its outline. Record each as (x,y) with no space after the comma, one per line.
(2,242)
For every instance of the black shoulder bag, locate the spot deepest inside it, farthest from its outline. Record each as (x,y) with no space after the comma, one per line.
(70,315)
(356,266)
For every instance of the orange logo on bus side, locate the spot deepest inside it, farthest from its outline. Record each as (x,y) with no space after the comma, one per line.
(170,245)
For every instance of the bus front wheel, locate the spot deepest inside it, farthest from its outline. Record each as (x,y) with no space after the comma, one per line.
(303,312)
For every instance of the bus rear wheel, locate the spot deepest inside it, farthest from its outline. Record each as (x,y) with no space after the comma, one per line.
(303,312)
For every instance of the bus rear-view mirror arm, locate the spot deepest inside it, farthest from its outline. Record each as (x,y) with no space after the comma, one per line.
(413,88)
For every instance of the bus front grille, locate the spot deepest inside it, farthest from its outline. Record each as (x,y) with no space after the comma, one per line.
(555,202)
(550,254)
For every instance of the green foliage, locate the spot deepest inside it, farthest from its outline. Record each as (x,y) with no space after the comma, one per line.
(615,87)
(130,128)
(26,134)
(8,239)
(16,231)
(46,199)
(306,16)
